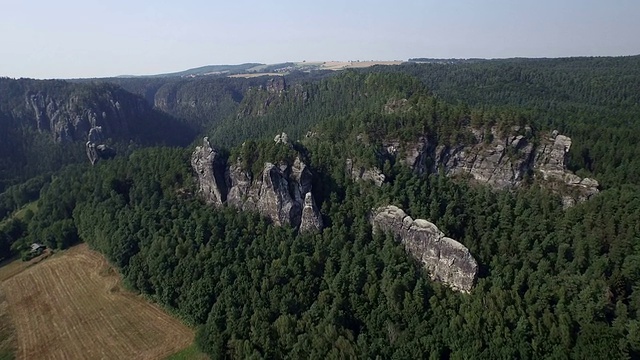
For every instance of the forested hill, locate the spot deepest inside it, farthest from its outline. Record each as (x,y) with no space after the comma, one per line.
(202,101)
(593,100)
(586,81)
(553,281)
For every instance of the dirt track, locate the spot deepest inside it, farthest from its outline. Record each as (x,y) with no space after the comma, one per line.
(71,306)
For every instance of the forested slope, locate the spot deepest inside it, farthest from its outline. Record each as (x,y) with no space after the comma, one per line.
(203,101)
(593,100)
(552,282)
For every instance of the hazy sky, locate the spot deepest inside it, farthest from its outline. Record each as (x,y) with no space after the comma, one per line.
(89,38)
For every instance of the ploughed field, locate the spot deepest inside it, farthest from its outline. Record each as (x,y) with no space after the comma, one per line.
(72,306)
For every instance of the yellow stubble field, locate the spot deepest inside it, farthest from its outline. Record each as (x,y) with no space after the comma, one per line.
(72,306)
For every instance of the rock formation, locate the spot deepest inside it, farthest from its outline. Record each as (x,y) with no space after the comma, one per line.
(396,105)
(502,161)
(96,150)
(71,118)
(311,219)
(259,100)
(276,85)
(358,173)
(281,138)
(281,192)
(550,159)
(89,113)
(274,199)
(209,167)
(445,259)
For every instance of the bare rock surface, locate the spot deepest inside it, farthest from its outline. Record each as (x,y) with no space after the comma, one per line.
(95,148)
(71,118)
(209,167)
(501,160)
(446,260)
(311,219)
(280,192)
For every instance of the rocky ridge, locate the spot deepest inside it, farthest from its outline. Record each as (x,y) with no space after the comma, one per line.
(93,114)
(281,192)
(71,118)
(500,160)
(445,259)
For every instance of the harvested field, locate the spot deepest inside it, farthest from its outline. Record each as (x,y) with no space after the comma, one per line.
(340,65)
(10,268)
(7,333)
(317,65)
(253,75)
(72,306)
(15,266)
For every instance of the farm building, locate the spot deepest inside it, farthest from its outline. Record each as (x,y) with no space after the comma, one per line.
(37,247)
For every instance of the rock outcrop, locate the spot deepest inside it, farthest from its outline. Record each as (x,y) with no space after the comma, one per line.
(281,139)
(209,167)
(275,200)
(358,173)
(550,160)
(280,192)
(500,160)
(95,148)
(259,100)
(311,219)
(276,85)
(445,259)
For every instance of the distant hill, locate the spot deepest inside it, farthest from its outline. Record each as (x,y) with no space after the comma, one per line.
(446,61)
(258,69)
(205,70)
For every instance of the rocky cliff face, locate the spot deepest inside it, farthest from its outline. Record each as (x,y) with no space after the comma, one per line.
(259,100)
(71,118)
(281,192)
(91,113)
(84,115)
(445,259)
(549,165)
(276,85)
(209,167)
(502,161)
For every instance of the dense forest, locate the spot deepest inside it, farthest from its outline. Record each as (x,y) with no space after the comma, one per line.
(553,282)
(594,100)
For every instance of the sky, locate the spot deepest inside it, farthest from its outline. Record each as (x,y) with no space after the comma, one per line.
(89,38)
